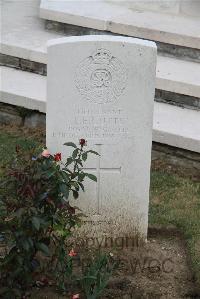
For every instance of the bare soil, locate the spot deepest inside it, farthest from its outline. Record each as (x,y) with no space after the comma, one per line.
(159,270)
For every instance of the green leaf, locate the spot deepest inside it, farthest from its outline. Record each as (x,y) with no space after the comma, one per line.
(81,185)
(84,156)
(93,152)
(61,232)
(36,223)
(65,176)
(43,248)
(69,161)
(75,184)
(81,176)
(75,194)
(70,144)
(64,190)
(79,162)
(91,176)
(49,173)
(75,153)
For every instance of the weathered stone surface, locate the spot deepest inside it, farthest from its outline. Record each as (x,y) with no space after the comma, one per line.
(19,116)
(23,64)
(9,61)
(72,30)
(175,7)
(102,88)
(174,151)
(9,115)
(179,51)
(180,160)
(32,66)
(180,100)
(35,120)
(10,119)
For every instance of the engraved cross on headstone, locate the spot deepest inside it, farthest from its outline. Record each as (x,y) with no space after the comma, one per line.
(98,169)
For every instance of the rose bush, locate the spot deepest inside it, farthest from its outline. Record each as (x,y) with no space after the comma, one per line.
(36,217)
(37,221)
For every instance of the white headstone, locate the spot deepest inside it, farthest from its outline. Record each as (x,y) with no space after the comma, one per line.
(101,88)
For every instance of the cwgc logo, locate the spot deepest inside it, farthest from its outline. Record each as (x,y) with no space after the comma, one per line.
(101,77)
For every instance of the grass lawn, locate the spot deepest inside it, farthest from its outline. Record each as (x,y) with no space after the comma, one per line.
(9,138)
(174,199)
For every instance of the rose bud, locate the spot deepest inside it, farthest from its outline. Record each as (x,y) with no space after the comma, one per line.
(57,157)
(82,142)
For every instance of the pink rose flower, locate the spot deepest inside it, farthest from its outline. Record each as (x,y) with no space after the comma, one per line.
(72,253)
(76,296)
(46,153)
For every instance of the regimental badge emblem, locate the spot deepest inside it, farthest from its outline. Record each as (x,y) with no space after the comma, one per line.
(101,78)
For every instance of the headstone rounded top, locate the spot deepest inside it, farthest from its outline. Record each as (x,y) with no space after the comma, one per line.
(101,38)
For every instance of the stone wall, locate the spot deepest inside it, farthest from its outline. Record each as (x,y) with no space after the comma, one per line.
(19,116)
(23,64)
